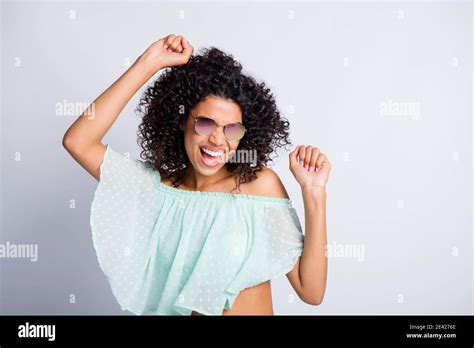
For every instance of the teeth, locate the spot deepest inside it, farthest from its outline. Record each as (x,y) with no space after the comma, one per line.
(212,153)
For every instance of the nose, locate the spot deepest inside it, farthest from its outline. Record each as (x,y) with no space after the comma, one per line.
(217,137)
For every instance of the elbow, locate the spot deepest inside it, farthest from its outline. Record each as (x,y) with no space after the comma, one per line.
(69,144)
(314,298)
(66,141)
(72,144)
(314,301)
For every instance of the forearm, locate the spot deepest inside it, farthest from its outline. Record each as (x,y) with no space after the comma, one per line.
(313,267)
(91,126)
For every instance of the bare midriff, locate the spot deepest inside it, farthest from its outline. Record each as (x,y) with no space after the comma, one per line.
(251,301)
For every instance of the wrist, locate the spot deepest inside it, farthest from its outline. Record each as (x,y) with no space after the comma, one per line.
(147,64)
(316,191)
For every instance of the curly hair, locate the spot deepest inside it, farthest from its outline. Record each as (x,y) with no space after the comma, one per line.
(178,89)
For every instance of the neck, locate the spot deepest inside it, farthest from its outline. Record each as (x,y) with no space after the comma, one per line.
(196,181)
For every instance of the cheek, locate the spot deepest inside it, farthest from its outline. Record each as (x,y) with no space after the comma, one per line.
(188,145)
(192,143)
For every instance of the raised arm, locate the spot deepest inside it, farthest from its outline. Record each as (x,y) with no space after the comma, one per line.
(83,139)
(311,170)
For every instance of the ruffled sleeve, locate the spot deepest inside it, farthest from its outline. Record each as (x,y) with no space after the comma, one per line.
(273,252)
(123,214)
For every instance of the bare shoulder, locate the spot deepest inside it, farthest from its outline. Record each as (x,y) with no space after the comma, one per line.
(267,183)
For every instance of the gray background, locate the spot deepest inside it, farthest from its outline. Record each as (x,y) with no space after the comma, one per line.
(400,185)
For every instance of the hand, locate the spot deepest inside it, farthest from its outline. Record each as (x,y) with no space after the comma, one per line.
(169,51)
(309,166)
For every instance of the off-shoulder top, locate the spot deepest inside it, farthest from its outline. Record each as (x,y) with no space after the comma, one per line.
(170,251)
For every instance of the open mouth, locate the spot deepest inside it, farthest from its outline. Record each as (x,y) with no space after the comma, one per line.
(211,158)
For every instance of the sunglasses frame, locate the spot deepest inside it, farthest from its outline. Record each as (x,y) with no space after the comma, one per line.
(196,118)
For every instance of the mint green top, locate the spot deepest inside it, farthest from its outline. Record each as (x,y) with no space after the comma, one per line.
(170,251)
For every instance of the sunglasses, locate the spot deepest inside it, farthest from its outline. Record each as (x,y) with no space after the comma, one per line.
(205,126)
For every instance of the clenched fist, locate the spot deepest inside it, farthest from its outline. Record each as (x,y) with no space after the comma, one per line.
(309,166)
(169,51)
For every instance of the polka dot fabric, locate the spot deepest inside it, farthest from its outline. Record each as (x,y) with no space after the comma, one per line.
(170,251)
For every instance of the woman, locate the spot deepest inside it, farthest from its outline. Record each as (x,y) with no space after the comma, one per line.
(203,225)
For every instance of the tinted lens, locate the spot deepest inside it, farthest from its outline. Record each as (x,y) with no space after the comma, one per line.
(205,126)
(234,131)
